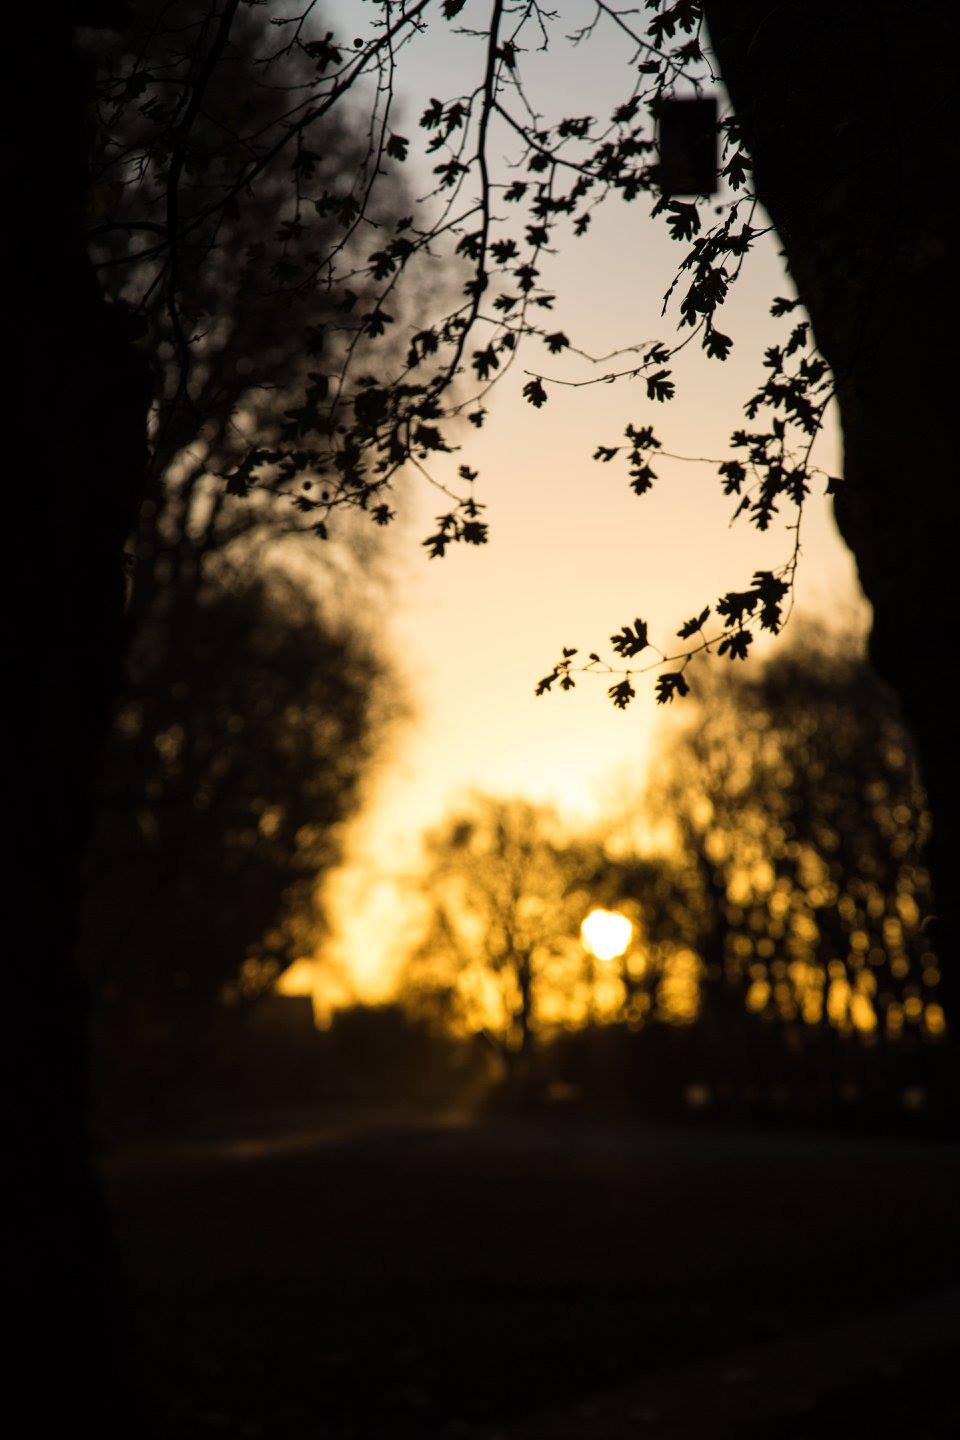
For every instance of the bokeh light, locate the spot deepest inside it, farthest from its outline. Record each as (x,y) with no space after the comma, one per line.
(606,934)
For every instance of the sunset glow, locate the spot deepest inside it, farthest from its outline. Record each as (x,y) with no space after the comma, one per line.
(495,840)
(606,934)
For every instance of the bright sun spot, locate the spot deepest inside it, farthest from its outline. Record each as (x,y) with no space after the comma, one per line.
(606,933)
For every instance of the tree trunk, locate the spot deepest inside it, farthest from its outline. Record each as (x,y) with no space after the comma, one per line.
(845,111)
(525,1013)
(83,410)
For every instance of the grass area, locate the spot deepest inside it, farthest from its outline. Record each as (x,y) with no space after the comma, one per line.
(410,1280)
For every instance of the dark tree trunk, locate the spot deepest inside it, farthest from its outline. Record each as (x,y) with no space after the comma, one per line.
(525,1013)
(518,1046)
(83,413)
(847,111)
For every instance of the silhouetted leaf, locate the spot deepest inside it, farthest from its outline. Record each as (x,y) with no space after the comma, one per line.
(736,170)
(485,361)
(683,220)
(670,683)
(736,645)
(734,475)
(631,640)
(324,51)
(717,345)
(642,478)
(377,322)
(660,386)
(432,116)
(690,627)
(621,694)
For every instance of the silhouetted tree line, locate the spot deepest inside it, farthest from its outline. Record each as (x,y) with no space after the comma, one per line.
(781,947)
(250,707)
(247,727)
(799,823)
(796,794)
(233,348)
(506,892)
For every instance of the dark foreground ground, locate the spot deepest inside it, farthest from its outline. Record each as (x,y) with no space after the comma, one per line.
(533,1278)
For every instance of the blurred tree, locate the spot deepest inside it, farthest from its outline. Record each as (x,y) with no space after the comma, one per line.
(106,339)
(863,275)
(249,712)
(500,953)
(235,349)
(794,794)
(240,749)
(660,971)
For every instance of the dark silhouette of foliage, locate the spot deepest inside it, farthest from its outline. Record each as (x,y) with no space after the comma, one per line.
(500,953)
(795,799)
(250,711)
(863,280)
(236,351)
(175,186)
(659,978)
(238,753)
(780,960)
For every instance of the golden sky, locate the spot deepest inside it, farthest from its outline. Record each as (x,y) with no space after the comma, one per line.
(573,554)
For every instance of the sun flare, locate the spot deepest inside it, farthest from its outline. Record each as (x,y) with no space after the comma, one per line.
(606,934)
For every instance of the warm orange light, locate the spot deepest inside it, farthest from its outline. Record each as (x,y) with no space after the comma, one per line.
(606,934)
(298,979)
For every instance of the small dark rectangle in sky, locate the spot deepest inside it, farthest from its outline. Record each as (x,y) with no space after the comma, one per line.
(687,139)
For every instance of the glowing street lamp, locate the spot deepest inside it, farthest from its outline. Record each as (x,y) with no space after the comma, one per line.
(606,934)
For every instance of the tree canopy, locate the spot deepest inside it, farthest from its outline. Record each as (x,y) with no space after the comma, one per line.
(433,301)
(500,952)
(207,141)
(240,749)
(254,698)
(794,798)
